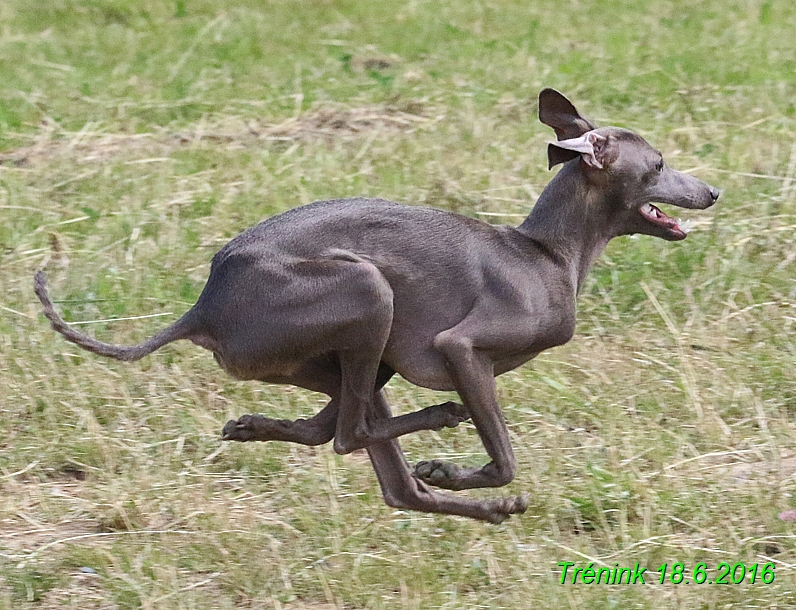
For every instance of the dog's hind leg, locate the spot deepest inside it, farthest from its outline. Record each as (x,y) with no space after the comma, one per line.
(369,318)
(316,430)
(321,375)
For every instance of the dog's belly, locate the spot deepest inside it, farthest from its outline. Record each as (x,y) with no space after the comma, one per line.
(433,380)
(424,368)
(428,370)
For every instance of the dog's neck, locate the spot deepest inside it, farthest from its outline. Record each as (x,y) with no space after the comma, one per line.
(571,221)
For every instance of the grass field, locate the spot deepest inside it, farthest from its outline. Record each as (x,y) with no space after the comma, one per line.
(138,136)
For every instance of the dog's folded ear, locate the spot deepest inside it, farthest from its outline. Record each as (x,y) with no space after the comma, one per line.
(591,146)
(556,155)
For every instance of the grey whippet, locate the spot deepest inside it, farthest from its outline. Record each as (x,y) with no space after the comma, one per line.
(338,296)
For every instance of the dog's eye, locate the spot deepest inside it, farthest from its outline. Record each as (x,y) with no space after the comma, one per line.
(659,165)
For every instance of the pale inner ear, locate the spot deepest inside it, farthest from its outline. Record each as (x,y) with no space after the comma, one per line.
(588,145)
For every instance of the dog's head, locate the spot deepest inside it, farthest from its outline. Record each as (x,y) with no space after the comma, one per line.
(631,173)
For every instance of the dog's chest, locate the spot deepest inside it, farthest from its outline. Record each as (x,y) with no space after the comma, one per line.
(512,362)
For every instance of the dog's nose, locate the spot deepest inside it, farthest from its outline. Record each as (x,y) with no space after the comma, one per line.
(714,193)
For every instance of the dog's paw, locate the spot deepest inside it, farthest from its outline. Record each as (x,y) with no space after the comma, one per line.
(503,508)
(244,429)
(449,415)
(438,473)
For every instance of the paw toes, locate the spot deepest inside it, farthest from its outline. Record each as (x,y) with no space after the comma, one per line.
(436,472)
(509,506)
(457,413)
(518,504)
(422,469)
(233,431)
(241,429)
(436,478)
(228,430)
(521,504)
(449,415)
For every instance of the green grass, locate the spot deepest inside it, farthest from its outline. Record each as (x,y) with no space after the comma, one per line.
(136,137)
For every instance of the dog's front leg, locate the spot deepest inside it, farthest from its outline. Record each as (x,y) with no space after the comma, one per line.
(472,373)
(403,490)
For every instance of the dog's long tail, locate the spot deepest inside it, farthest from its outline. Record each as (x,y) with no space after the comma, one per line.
(181,329)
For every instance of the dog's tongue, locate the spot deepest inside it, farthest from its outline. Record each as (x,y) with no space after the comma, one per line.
(654,215)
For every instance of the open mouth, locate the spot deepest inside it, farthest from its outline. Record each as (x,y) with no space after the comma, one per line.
(675,228)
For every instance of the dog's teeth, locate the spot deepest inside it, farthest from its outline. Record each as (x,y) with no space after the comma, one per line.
(686,226)
(646,208)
